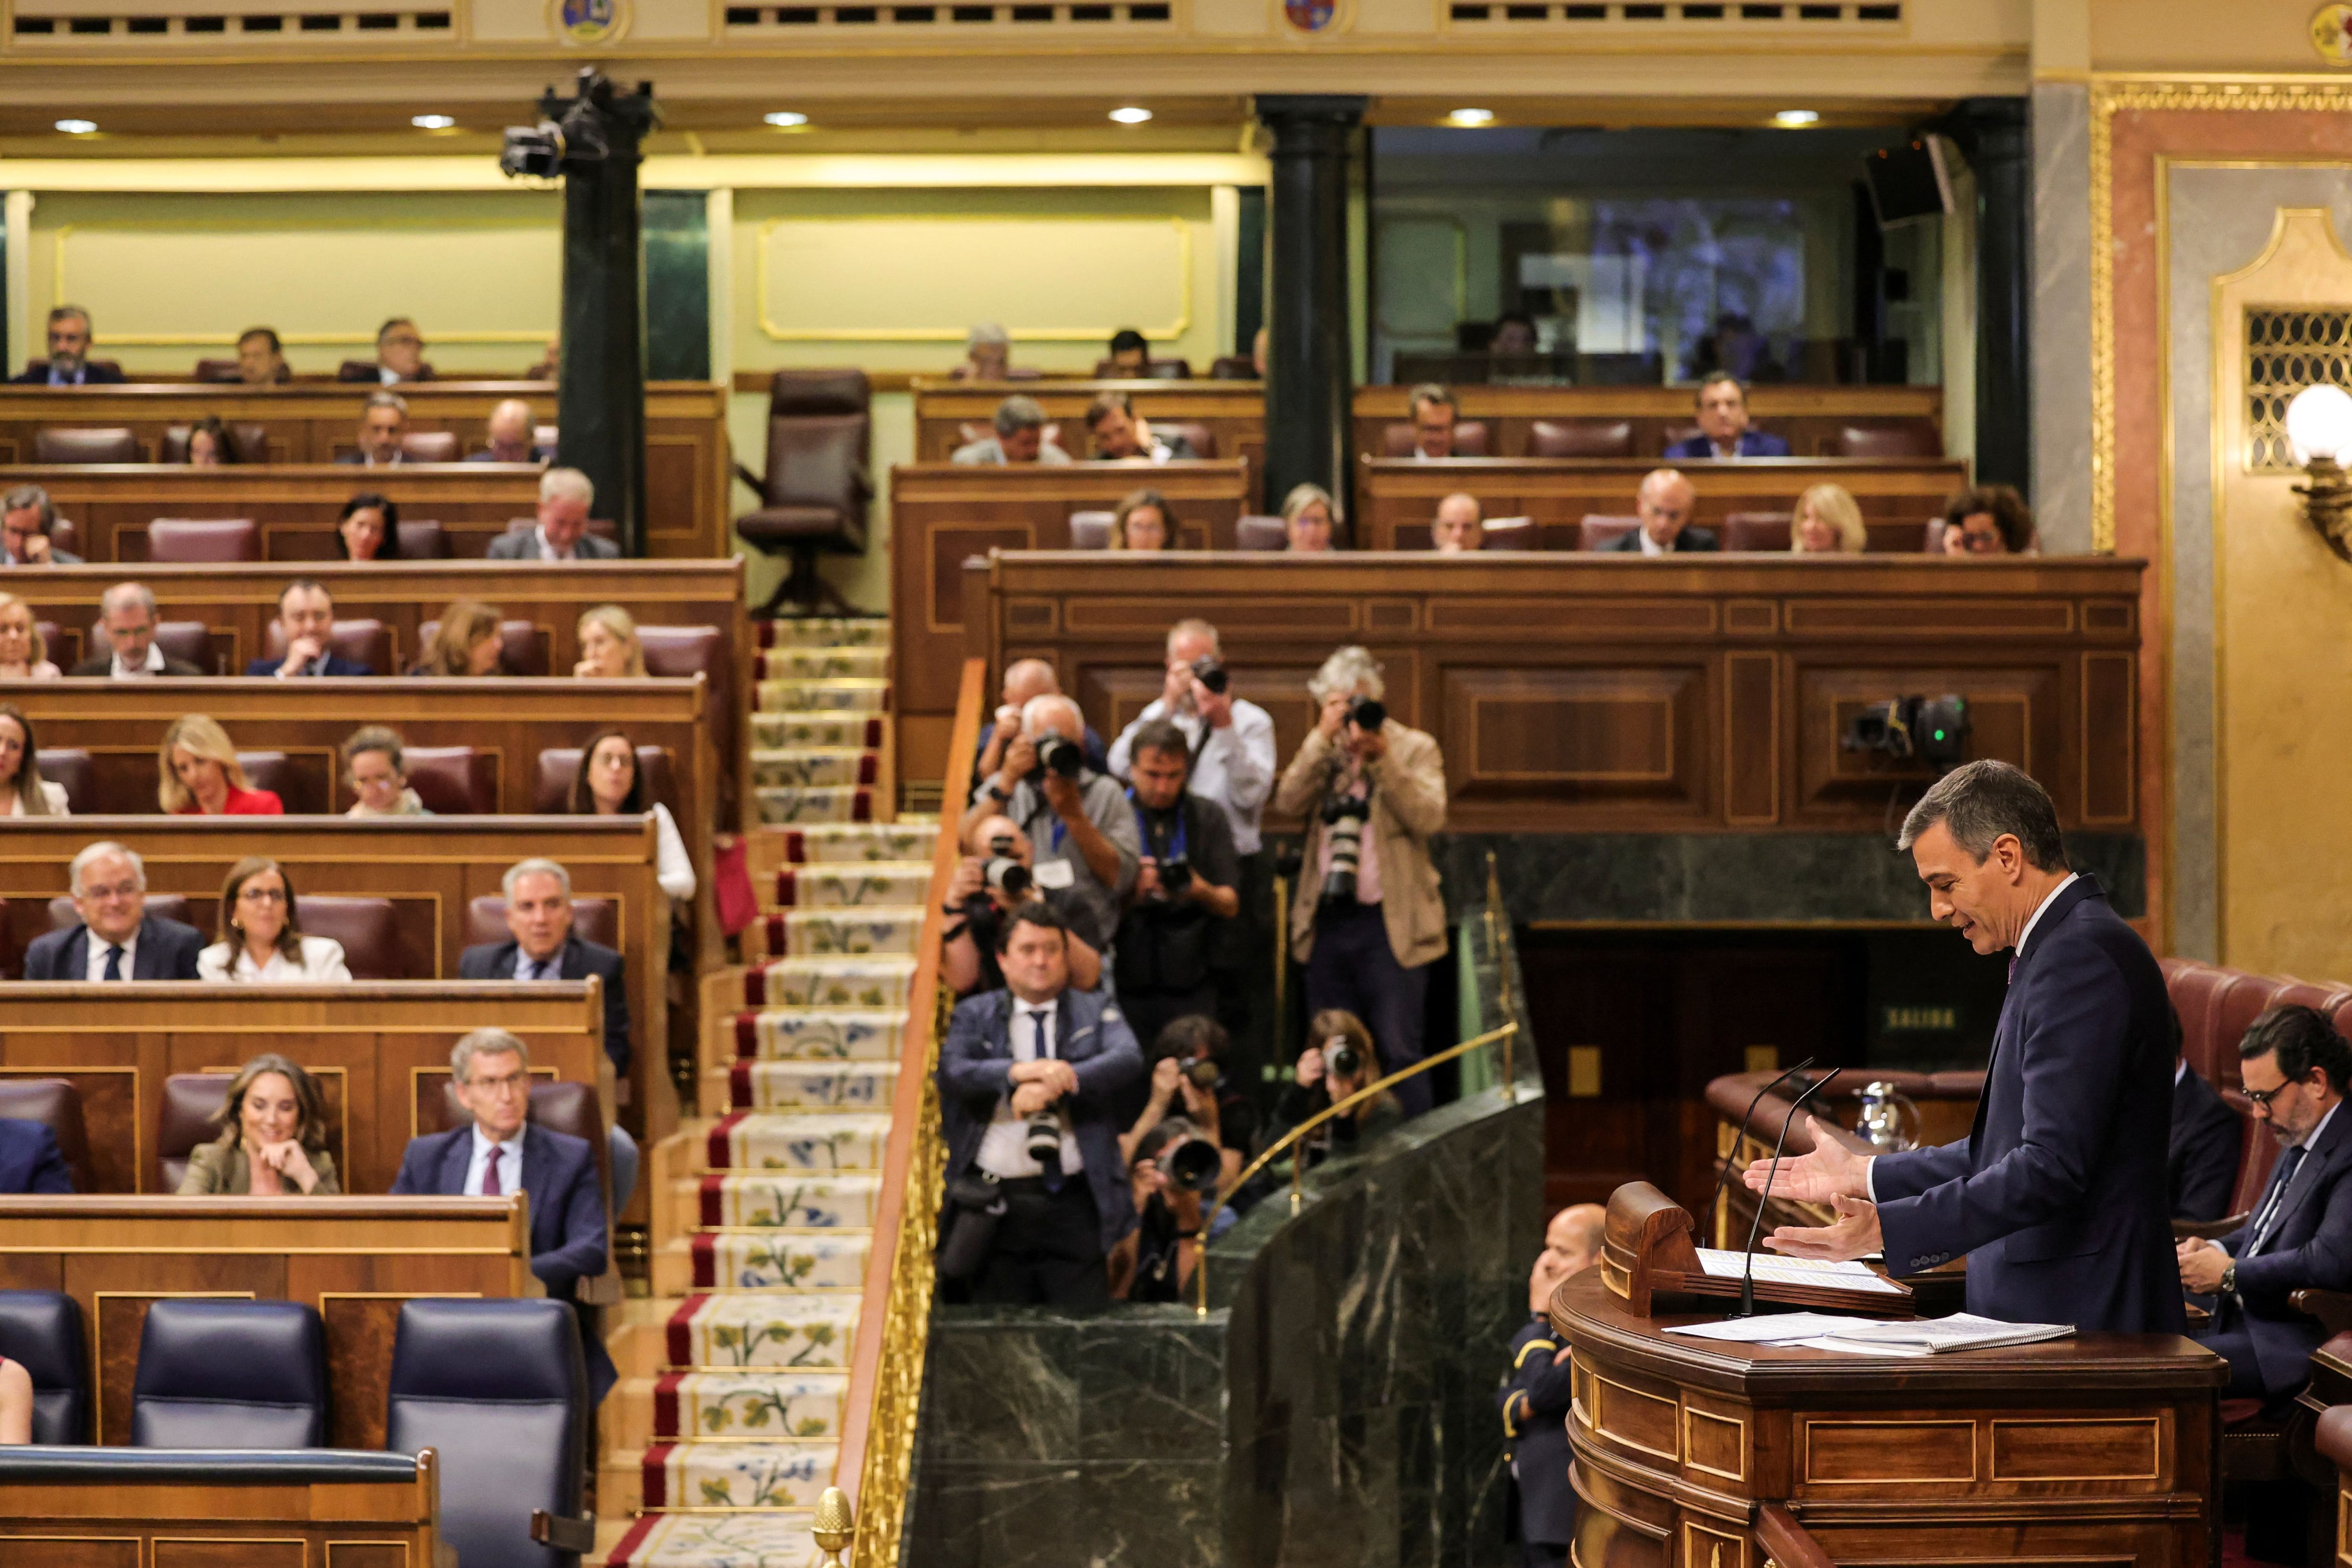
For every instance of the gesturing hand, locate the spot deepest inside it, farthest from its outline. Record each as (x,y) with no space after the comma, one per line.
(1854,1235)
(1830,1171)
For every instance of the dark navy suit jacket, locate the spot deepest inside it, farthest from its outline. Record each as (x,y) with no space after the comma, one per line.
(581,958)
(569,1236)
(1690,539)
(2201,1163)
(975,1066)
(1534,1400)
(2309,1246)
(1752,443)
(29,1160)
(336,665)
(167,951)
(2058,1195)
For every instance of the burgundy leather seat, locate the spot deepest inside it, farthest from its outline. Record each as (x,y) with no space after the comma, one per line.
(525,646)
(105,443)
(191,1101)
(1756,531)
(453,780)
(1469,439)
(369,930)
(185,541)
(252,443)
(1595,531)
(429,446)
(365,639)
(1203,439)
(1580,438)
(65,535)
(1510,534)
(818,485)
(550,790)
(1153,370)
(1253,532)
(1908,438)
(56,1104)
(219,372)
(299,783)
(1232,368)
(368,370)
(70,768)
(1932,544)
(1091,530)
(425,540)
(595,920)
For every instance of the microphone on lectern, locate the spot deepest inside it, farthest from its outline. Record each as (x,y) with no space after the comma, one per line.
(1724,1175)
(1748,1273)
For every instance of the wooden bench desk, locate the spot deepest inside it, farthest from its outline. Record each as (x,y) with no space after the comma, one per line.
(1807,417)
(1397,496)
(941,514)
(314,423)
(380,1051)
(1235,412)
(1579,692)
(355,1259)
(429,868)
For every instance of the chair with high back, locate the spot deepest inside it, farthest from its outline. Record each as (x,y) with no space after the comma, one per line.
(550,793)
(364,640)
(56,1104)
(190,1108)
(369,930)
(1510,534)
(1593,531)
(189,640)
(70,769)
(453,780)
(1256,532)
(65,535)
(1756,531)
(500,1390)
(1091,530)
(596,920)
(252,443)
(111,444)
(818,485)
(1905,438)
(1199,436)
(188,540)
(423,540)
(296,786)
(429,446)
(218,372)
(1469,439)
(523,645)
(680,652)
(41,1332)
(1232,368)
(230,1375)
(1580,438)
(1153,370)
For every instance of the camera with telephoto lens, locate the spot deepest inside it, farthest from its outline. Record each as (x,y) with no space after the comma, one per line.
(1188,1160)
(1200,1068)
(1341,1058)
(1366,714)
(1007,877)
(1042,1138)
(1932,730)
(1343,823)
(1210,670)
(1063,757)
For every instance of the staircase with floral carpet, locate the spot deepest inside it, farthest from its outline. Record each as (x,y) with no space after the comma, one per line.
(727,1426)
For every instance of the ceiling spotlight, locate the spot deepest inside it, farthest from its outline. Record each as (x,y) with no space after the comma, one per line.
(1131,116)
(1470,116)
(785,118)
(77,126)
(431,121)
(1789,119)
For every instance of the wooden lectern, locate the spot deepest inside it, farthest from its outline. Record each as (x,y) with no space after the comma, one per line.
(2095,1451)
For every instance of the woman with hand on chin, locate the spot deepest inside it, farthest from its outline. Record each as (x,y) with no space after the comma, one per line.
(273,1138)
(201,776)
(261,933)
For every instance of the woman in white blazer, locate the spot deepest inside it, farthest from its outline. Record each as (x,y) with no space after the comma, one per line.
(261,933)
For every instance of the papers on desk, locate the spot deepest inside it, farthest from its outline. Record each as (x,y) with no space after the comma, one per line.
(1868,1336)
(1721,1264)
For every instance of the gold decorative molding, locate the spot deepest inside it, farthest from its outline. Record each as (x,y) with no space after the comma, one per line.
(955,333)
(2110,95)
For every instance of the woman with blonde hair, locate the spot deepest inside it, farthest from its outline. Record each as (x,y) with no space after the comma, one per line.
(1827,522)
(468,642)
(1311,515)
(261,933)
(24,651)
(1143,522)
(23,791)
(272,1141)
(199,775)
(610,648)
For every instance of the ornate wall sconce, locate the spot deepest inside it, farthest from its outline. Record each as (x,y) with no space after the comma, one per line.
(2319,431)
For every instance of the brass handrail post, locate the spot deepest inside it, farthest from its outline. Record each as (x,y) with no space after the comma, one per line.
(1502,981)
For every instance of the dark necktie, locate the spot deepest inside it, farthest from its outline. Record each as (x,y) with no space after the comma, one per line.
(2290,1161)
(539,968)
(1041,1049)
(113,965)
(491,1187)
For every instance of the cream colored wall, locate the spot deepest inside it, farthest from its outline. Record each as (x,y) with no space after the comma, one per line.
(173,277)
(2195,36)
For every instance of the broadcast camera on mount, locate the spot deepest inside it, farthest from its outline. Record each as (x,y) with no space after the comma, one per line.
(1931,730)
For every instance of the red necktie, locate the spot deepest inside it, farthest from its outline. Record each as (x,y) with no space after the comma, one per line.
(491,1174)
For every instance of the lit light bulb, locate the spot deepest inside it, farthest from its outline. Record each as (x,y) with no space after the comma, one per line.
(1791,119)
(1131,115)
(77,126)
(1470,116)
(785,118)
(431,121)
(2319,425)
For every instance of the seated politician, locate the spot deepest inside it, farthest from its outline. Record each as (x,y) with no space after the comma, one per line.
(2200,1163)
(272,1137)
(261,358)
(399,356)
(1434,415)
(2295,1067)
(1457,527)
(610,648)
(1664,504)
(543,947)
(1310,520)
(1121,435)
(499,1151)
(375,770)
(513,427)
(1020,438)
(30,1160)
(261,933)
(1143,520)
(1725,434)
(306,615)
(470,640)
(565,495)
(116,938)
(69,364)
(28,518)
(368,529)
(199,774)
(1990,519)
(126,611)
(382,425)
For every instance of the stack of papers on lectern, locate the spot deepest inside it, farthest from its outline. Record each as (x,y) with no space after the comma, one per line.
(1870,1336)
(1772,1269)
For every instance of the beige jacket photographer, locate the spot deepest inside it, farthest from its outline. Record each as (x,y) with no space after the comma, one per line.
(1408,805)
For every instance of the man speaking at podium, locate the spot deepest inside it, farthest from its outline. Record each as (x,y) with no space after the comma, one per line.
(2057,1197)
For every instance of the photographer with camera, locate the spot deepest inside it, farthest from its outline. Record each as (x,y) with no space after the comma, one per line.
(1080,826)
(1184,891)
(1037,1192)
(1024,679)
(1189,1085)
(1173,1177)
(988,883)
(1369,917)
(1338,1062)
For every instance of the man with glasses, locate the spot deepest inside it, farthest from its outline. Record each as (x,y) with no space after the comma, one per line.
(499,1152)
(116,938)
(543,947)
(2294,1068)
(126,612)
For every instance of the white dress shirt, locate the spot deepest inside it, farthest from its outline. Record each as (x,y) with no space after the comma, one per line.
(321,963)
(509,1161)
(154,666)
(526,966)
(1235,768)
(548,551)
(1649,545)
(96,969)
(673,867)
(1005,1146)
(51,792)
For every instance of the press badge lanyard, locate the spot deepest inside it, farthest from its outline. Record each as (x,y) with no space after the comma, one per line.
(1143,826)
